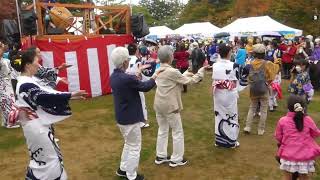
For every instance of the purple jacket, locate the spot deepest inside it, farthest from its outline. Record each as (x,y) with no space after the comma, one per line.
(295,145)
(316,54)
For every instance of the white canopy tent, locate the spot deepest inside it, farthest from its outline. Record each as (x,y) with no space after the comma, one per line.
(205,29)
(160,31)
(258,26)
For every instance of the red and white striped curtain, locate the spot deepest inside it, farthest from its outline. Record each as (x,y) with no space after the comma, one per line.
(91,66)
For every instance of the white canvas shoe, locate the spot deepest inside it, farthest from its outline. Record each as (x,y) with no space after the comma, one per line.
(260,132)
(13,127)
(247,130)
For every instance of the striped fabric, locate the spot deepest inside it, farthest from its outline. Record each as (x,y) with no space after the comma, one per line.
(15,111)
(91,67)
(225,84)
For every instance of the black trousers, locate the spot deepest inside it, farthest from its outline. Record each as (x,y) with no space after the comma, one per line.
(286,67)
(182,70)
(314,72)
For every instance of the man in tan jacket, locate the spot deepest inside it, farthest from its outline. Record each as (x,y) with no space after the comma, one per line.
(270,70)
(168,104)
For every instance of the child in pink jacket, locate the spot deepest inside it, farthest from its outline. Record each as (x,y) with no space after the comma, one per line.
(296,133)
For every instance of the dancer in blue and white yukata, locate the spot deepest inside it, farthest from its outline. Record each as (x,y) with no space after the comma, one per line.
(225,96)
(38,108)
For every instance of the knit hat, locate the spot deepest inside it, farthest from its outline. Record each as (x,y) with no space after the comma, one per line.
(259,48)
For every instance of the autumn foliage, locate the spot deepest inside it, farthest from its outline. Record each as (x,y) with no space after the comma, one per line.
(296,13)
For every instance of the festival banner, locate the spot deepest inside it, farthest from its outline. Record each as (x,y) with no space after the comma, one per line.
(288,34)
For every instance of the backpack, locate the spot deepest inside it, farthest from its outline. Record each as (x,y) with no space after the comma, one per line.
(257,81)
(139,26)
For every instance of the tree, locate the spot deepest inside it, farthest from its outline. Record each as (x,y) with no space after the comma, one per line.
(163,12)
(297,13)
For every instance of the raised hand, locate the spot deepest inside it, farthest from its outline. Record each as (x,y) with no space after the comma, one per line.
(64,80)
(81,94)
(64,66)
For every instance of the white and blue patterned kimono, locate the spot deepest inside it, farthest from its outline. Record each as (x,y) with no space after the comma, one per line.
(6,91)
(47,77)
(225,96)
(50,106)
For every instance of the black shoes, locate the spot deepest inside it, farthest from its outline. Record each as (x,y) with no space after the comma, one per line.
(139,177)
(160,160)
(121,173)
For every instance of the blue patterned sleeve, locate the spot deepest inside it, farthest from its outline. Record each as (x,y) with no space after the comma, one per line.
(48,75)
(35,96)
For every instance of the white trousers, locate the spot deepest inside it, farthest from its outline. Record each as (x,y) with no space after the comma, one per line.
(131,150)
(273,98)
(165,122)
(144,106)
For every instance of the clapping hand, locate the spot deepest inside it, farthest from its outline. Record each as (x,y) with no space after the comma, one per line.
(141,68)
(155,75)
(207,67)
(81,94)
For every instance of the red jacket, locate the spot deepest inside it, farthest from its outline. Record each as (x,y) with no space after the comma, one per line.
(182,59)
(288,54)
(283,47)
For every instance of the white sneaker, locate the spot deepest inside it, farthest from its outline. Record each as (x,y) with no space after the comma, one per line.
(56,140)
(260,132)
(12,127)
(144,125)
(237,144)
(247,130)
(259,113)
(176,164)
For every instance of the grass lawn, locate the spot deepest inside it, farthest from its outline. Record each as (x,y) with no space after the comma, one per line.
(91,143)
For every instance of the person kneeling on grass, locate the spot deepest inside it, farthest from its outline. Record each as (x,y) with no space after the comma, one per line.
(168,104)
(296,133)
(128,111)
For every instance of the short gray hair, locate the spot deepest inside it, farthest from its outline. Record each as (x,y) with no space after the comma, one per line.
(165,54)
(119,55)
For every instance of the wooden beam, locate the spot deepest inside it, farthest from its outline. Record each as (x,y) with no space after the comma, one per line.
(39,18)
(83,6)
(64,37)
(110,20)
